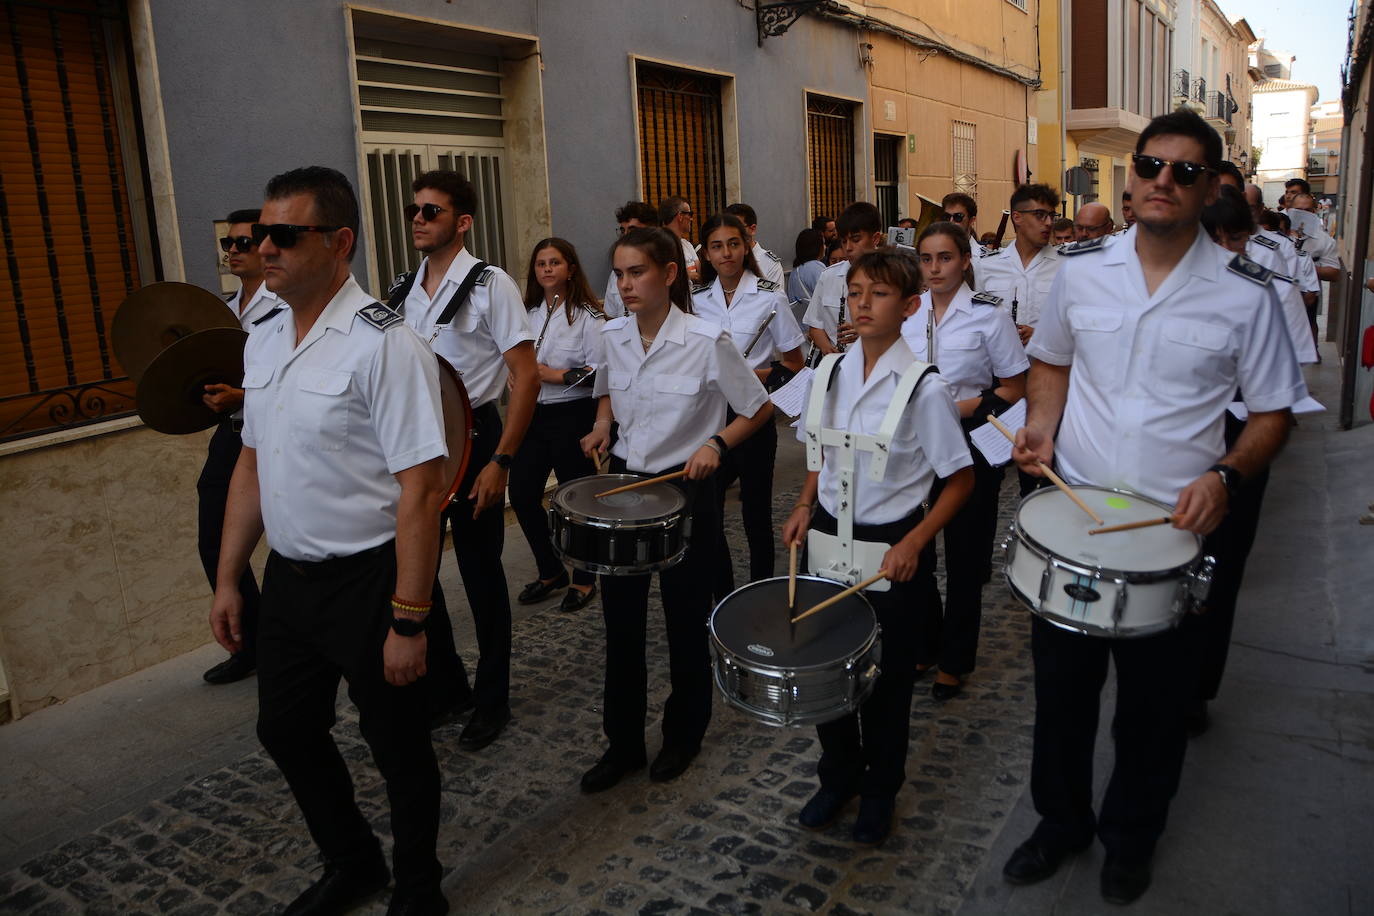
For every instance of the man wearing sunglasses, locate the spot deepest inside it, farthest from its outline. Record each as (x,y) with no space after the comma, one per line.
(342,467)
(1021,273)
(1092,221)
(474,317)
(1139,350)
(962,210)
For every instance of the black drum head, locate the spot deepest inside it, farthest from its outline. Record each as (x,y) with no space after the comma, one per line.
(754,623)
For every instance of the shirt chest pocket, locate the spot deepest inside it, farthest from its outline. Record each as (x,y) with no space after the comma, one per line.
(1192,356)
(319,415)
(255,377)
(675,398)
(1095,342)
(565,354)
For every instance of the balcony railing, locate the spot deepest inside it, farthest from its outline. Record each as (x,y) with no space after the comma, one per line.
(1179,85)
(1220,107)
(1199,89)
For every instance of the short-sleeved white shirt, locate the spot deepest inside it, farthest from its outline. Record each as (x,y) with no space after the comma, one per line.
(611,303)
(564,344)
(754,299)
(491,322)
(1151,376)
(770,266)
(1298,267)
(929,442)
(671,400)
(975,343)
(827,300)
(1290,300)
(263,301)
(1002,274)
(333,419)
(689,253)
(1321,248)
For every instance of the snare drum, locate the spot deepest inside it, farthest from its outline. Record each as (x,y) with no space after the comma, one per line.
(628,534)
(821,672)
(1120,584)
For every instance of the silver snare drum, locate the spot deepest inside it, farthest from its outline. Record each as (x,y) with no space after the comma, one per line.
(822,672)
(628,534)
(1120,584)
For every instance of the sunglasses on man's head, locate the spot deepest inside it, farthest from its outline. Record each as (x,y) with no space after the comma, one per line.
(243,243)
(429,211)
(1185,173)
(285,235)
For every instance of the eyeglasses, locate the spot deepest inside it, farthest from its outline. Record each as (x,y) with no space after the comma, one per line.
(956,217)
(684,213)
(243,243)
(1098,228)
(1185,173)
(1043,215)
(284,235)
(430,212)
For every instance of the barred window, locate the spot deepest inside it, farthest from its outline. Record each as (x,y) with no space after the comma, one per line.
(830,142)
(965,159)
(681,141)
(886,169)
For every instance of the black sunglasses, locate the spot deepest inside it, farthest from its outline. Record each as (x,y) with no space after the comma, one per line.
(1185,173)
(243,243)
(285,235)
(955,217)
(430,211)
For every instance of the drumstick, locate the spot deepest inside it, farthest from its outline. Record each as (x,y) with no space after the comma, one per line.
(601,458)
(1131,526)
(792,580)
(1049,472)
(643,483)
(840,596)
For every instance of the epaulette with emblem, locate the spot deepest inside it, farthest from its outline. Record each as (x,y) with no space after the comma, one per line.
(486,276)
(773,256)
(397,283)
(701,290)
(593,311)
(1265,241)
(986,299)
(379,316)
(1253,271)
(769,286)
(1086,245)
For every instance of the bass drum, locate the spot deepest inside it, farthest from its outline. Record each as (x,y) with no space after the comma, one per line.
(458,429)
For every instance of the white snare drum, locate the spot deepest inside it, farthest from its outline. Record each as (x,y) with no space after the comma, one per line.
(1120,584)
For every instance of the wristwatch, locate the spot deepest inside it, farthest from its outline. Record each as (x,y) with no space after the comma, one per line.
(404,626)
(501,461)
(1230,477)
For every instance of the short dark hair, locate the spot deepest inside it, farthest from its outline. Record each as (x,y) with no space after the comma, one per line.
(890,267)
(907,222)
(1300,182)
(460,191)
(1269,219)
(860,216)
(667,210)
(1230,213)
(1034,193)
(335,202)
(960,199)
(744,212)
(1184,123)
(819,222)
(1061,224)
(243,216)
(1228,167)
(1285,223)
(1125,195)
(637,209)
(810,245)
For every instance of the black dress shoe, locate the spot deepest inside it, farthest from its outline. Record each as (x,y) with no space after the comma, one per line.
(820,812)
(672,762)
(1037,859)
(1195,718)
(448,711)
(419,901)
(1123,882)
(538,590)
(483,728)
(339,888)
(574,599)
(234,668)
(944,692)
(609,770)
(875,820)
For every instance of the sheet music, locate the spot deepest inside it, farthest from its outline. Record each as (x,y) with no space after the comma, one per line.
(989,440)
(791,398)
(1307,405)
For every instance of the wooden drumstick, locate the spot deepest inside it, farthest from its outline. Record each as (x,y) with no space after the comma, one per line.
(601,460)
(1049,472)
(792,580)
(840,596)
(1131,526)
(642,483)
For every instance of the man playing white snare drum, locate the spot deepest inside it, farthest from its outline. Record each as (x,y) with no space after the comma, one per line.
(1140,347)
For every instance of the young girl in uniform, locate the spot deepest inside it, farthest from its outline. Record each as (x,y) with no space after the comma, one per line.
(864,753)
(666,377)
(568,318)
(735,296)
(980,357)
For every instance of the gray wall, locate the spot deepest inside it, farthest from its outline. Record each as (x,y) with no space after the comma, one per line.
(253,88)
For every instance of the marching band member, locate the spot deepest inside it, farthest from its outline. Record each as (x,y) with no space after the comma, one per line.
(979,355)
(1021,273)
(860,228)
(666,377)
(864,753)
(562,306)
(769,264)
(756,314)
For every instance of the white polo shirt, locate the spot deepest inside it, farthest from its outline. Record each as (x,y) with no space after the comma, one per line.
(1290,299)
(491,322)
(929,442)
(1151,375)
(827,300)
(975,343)
(333,419)
(565,344)
(1002,274)
(671,400)
(770,265)
(754,299)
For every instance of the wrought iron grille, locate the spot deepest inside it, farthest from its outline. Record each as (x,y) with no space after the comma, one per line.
(681,146)
(830,137)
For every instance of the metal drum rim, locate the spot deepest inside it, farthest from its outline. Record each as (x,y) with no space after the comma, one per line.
(765,669)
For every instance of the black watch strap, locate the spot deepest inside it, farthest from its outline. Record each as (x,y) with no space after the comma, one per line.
(405,626)
(720,441)
(1229,476)
(501,461)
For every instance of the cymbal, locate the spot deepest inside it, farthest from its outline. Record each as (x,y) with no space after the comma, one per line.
(160,314)
(169,393)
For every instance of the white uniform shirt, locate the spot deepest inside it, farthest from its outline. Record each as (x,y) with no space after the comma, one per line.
(489,323)
(332,420)
(974,343)
(1002,274)
(827,299)
(263,301)
(671,400)
(1321,248)
(748,310)
(611,303)
(1298,267)
(929,442)
(770,266)
(689,253)
(1151,375)
(1290,300)
(564,344)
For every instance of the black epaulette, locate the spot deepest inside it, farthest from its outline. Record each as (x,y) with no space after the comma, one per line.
(379,316)
(986,251)
(768,286)
(272,314)
(1266,241)
(593,311)
(701,290)
(986,299)
(1253,271)
(229,297)
(773,256)
(1086,245)
(485,276)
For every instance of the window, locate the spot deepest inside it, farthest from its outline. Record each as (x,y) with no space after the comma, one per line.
(965,158)
(886,170)
(830,142)
(681,139)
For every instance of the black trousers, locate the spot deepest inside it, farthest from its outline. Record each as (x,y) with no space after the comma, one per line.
(865,751)
(751,463)
(686,593)
(551,444)
(477,544)
(320,622)
(212,489)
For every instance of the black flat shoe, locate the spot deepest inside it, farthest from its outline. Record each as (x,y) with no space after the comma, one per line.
(234,668)
(875,820)
(483,728)
(820,812)
(538,590)
(672,762)
(1124,882)
(609,770)
(944,692)
(574,599)
(339,889)
(419,901)
(1037,859)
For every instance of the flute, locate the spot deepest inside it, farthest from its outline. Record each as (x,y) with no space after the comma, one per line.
(759,336)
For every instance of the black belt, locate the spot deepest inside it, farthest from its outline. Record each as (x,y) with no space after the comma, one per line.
(322,569)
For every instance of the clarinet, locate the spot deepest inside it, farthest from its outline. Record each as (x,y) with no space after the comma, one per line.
(839,321)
